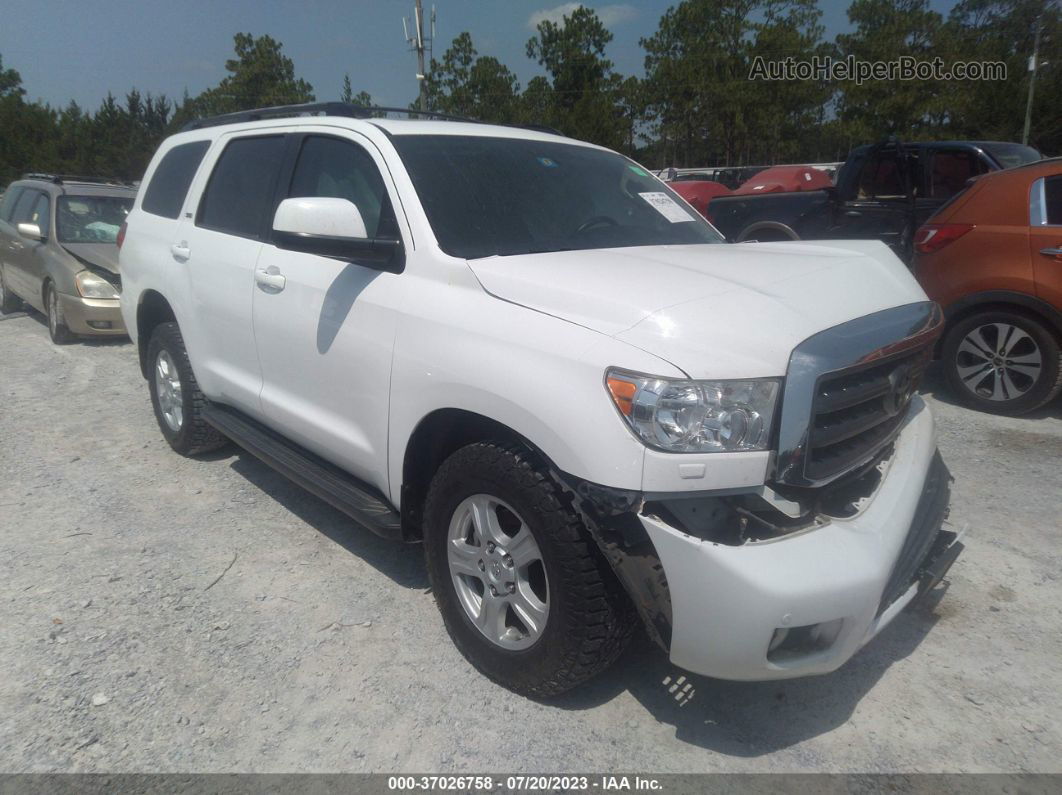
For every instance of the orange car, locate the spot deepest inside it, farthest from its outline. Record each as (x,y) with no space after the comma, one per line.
(992,257)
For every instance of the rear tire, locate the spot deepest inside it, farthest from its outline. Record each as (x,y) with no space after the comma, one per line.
(1002,361)
(584,617)
(57,328)
(9,302)
(175,394)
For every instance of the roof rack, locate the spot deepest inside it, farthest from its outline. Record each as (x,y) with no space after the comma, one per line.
(312,109)
(62,179)
(338,109)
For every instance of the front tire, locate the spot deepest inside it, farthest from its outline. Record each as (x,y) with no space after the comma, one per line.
(493,519)
(1002,361)
(57,328)
(175,394)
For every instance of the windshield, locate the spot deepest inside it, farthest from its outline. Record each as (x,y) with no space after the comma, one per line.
(1011,155)
(90,219)
(500,196)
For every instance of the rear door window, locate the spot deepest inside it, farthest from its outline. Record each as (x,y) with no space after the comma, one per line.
(169,184)
(242,186)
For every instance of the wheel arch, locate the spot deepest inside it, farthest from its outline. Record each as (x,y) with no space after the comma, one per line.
(775,227)
(435,438)
(152,310)
(1004,299)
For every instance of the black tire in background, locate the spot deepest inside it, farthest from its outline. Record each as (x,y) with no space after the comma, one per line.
(590,618)
(57,328)
(193,435)
(9,302)
(988,361)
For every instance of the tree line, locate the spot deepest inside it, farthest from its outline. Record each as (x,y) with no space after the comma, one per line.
(695,104)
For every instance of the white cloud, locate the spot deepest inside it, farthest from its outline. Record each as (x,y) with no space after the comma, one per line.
(609,15)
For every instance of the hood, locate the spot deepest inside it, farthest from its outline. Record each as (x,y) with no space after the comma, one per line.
(713,311)
(95,255)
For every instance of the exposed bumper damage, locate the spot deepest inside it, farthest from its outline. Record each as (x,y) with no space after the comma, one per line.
(767,586)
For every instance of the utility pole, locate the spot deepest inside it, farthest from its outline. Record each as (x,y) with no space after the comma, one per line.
(1034,64)
(420,44)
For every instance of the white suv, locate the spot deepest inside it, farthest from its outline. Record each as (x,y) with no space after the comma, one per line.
(533,356)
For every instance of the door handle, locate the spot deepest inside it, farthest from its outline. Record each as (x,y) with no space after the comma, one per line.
(270,279)
(1052,252)
(854,214)
(180,250)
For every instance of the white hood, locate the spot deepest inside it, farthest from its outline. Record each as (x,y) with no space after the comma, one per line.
(713,311)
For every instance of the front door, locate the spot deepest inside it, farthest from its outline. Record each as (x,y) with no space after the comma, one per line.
(325,328)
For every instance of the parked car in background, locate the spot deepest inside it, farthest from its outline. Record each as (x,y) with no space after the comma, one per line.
(883,192)
(992,257)
(59,253)
(785,179)
(699,192)
(530,355)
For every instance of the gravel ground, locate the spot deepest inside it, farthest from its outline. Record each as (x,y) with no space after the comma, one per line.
(320,648)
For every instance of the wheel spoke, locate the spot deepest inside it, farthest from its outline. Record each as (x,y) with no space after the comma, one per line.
(969,346)
(532,612)
(522,548)
(464,559)
(1012,389)
(974,374)
(997,387)
(485,519)
(491,618)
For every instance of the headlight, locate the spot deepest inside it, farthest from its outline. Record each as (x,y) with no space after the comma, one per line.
(92,286)
(695,416)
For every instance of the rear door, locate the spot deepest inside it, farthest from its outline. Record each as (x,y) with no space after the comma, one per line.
(326,335)
(881,206)
(1045,238)
(216,250)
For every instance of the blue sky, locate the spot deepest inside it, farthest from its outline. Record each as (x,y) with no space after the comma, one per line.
(81,50)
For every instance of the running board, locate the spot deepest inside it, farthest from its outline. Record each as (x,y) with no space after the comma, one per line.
(358,500)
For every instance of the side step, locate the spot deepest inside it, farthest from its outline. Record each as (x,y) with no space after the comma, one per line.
(358,500)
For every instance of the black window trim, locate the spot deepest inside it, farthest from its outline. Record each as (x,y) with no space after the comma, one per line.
(265,223)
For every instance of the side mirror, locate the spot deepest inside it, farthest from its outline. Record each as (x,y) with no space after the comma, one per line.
(30,231)
(331,227)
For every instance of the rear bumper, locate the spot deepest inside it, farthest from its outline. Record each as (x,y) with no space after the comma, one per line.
(93,316)
(804,604)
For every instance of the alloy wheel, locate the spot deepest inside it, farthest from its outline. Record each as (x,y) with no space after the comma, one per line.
(497,571)
(53,312)
(168,390)
(998,361)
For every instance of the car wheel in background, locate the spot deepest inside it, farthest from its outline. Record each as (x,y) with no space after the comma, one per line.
(57,328)
(175,394)
(9,302)
(522,589)
(1002,361)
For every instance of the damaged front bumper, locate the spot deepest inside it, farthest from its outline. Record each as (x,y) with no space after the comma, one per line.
(795,604)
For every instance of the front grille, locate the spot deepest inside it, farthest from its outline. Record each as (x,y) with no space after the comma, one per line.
(857,411)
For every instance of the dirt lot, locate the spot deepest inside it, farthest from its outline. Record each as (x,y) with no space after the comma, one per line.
(319,648)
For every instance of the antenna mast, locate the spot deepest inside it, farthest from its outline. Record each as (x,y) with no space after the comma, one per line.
(420,44)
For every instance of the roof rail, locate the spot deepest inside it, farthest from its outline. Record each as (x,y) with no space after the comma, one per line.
(339,109)
(61,179)
(312,109)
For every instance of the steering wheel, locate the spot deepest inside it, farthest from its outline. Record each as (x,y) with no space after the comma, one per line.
(595,221)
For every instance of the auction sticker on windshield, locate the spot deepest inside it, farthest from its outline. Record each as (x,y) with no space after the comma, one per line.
(667,207)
